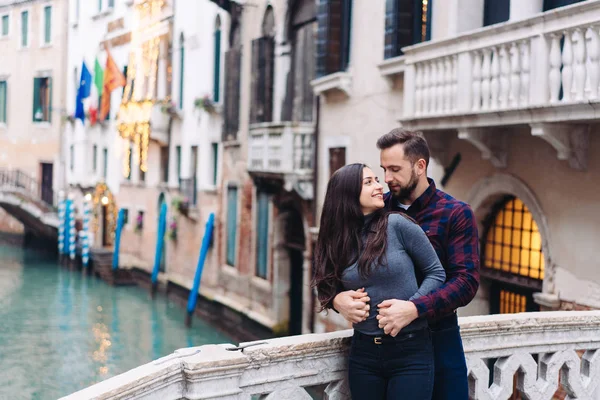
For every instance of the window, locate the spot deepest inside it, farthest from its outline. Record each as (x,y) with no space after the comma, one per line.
(77,10)
(215,160)
(105,162)
(512,257)
(233,65)
(47,24)
(125,216)
(164,163)
(300,106)
(71,157)
(100,5)
(263,57)
(3,101)
(407,22)
(111,3)
(552,4)
(130,161)
(5,25)
(337,159)
(334,19)
(178,161)
(232,194)
(142,173)
(262,234)
(217,59)
(25,29)
(495,11)
(181,69)
(42,99)
(95,158)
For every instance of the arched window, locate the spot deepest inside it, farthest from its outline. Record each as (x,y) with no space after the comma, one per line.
(513,257)
(217,60)
(181,68)
(263,58)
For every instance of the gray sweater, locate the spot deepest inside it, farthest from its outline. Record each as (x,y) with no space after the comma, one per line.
(407,248)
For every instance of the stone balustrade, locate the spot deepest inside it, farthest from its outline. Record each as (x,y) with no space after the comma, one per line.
(546,351)
(281,147)
(549,61)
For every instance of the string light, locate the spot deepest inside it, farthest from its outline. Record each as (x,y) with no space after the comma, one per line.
(103,197)
(126,165)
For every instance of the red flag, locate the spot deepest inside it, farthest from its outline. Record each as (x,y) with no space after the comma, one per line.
(113,78)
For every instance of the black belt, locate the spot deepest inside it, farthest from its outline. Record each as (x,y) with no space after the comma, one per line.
(387,339)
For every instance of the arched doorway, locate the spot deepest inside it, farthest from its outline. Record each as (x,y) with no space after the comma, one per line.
(105,216)
(512,257)
(163,258)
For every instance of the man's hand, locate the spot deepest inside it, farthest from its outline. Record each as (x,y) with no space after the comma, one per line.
(353,305)
(394,315)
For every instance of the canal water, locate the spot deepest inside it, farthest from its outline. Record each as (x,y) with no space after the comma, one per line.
(61,331)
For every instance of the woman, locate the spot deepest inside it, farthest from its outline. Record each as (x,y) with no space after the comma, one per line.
(361,245)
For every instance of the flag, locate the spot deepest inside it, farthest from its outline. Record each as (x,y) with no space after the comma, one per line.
(85,86)
(113,78)
(98,76)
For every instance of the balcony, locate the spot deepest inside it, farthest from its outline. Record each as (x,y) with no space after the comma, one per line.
(547,352)
(285,150)
(542,72)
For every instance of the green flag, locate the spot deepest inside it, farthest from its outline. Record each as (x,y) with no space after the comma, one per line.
(98,77)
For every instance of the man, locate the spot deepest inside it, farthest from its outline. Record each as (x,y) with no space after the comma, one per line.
(452,230)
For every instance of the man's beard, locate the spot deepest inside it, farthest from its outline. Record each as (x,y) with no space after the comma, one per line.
(406,191)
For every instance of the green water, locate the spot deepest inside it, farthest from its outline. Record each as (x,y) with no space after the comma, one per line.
(61,331)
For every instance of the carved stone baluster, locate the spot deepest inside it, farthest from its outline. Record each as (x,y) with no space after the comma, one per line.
(555,64)
(504,76)
(495,80)
(485,79)
(426,88)
(337,391)
(439,87)
(580,58)
(418,88)
(454,90)
(477,56)
(515,77)
(447,86)
(525,80)
(567,67)
(593,64)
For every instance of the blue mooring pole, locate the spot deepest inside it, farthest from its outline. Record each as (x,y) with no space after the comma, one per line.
(160,244)
(208,231)
(120,220)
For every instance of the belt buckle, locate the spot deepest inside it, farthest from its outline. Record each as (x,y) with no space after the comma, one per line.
(377,340)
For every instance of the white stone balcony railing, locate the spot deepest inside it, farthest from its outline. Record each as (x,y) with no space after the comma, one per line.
(281,147)
(548,351)
(538,70)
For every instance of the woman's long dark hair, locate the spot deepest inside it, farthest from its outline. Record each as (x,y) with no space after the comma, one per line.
(340,239)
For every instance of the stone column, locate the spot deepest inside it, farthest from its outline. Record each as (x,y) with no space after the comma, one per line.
(521,9)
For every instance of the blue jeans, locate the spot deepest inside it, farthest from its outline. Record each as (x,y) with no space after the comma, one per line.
(451,381)
(398,368)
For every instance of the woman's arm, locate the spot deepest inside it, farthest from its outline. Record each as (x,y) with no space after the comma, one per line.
(420,250)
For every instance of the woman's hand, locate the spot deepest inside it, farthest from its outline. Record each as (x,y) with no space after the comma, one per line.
(353,305)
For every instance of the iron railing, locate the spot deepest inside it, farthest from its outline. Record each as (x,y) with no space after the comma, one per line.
(21,181)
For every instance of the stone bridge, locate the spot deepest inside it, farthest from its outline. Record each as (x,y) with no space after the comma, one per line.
(536,354)
(23,198)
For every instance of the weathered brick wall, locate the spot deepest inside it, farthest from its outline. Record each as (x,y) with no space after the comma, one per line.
(8,224)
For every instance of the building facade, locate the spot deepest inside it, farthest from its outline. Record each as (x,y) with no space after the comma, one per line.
(33,48)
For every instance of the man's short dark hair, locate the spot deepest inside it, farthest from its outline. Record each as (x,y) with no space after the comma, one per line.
(414,144)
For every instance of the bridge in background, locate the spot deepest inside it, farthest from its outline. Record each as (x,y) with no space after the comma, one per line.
(25,199)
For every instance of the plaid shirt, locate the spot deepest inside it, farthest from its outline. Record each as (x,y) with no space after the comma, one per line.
(452,230)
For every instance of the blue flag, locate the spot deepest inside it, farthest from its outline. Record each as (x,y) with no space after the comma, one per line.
(85,87)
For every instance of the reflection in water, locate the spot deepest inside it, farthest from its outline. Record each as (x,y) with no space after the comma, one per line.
(61,330)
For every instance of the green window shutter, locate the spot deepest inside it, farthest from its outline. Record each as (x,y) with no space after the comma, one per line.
(37,108)
(47,24)
(24,28)
(5,25)
(181,72)
(217,77)
(262,239)
(99,5)
(232,198)
(49,99)
(215,151)
(3,95)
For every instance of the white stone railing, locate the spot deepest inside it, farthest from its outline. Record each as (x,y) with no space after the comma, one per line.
(281,147)
(550,60)
(540,346)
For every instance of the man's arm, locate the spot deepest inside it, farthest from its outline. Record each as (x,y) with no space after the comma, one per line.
(462,270)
